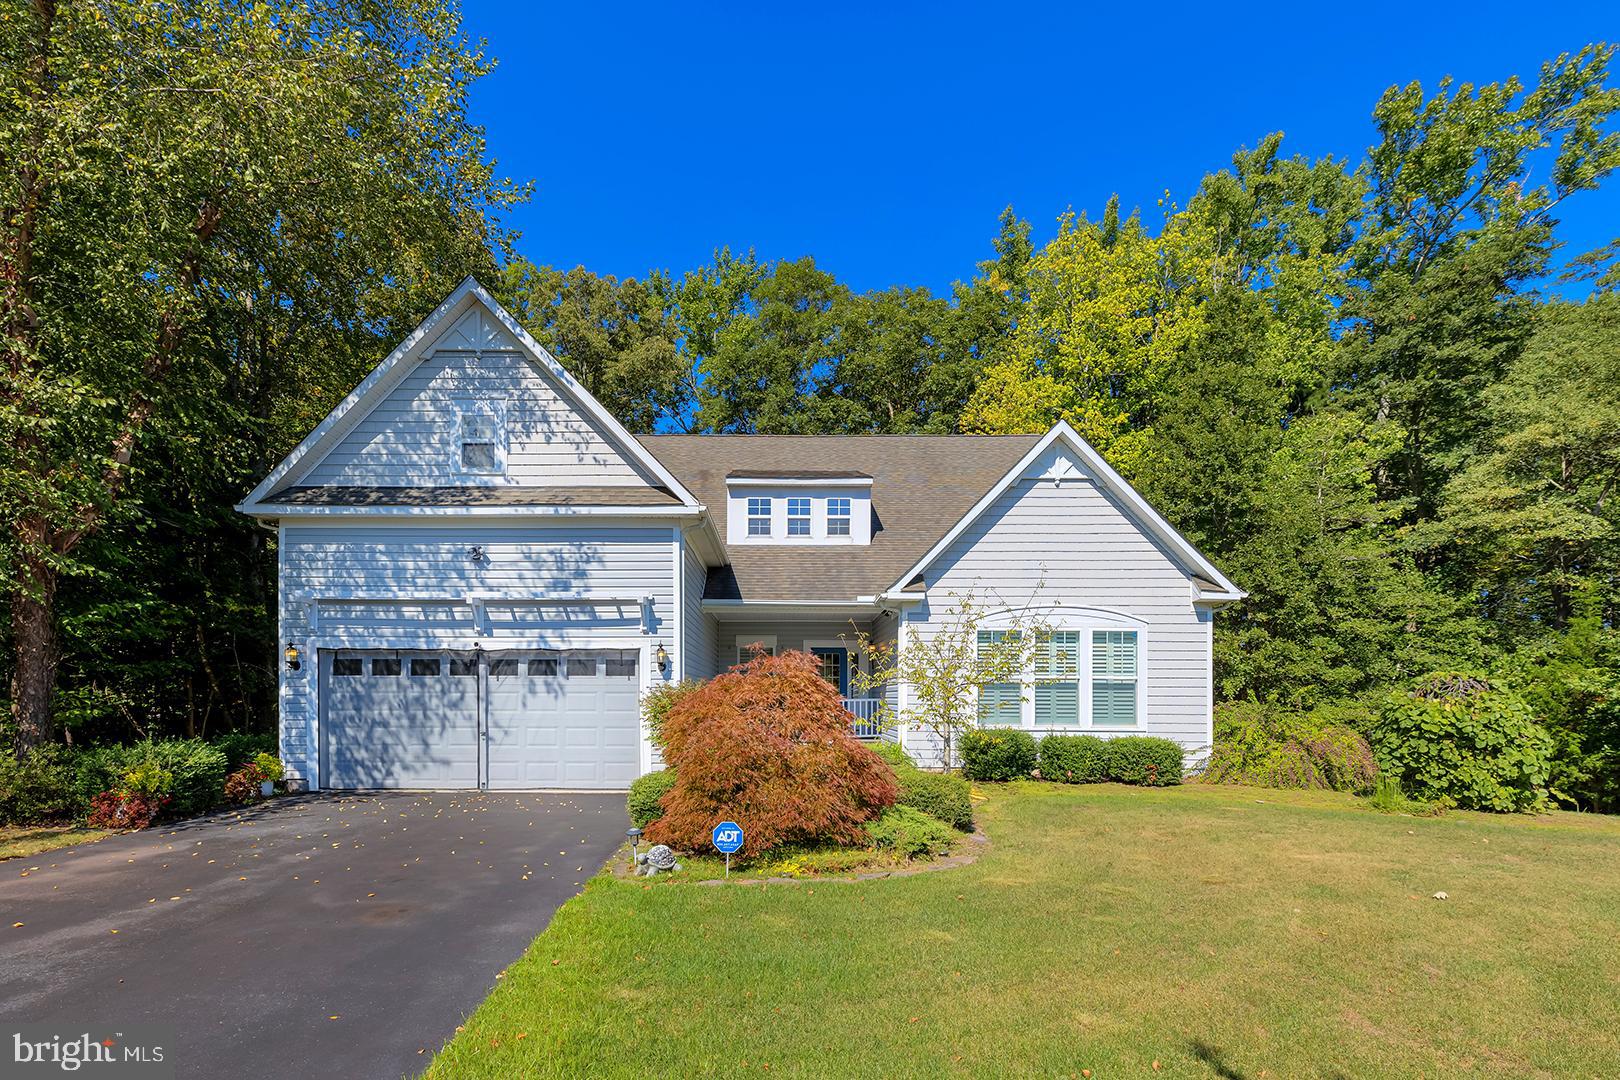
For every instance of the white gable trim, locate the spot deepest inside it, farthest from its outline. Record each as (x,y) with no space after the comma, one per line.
(1191,559)
(386,375)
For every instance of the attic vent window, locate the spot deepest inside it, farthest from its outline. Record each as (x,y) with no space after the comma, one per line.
(482,443)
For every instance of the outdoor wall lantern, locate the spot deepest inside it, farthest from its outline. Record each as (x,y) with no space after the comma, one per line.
(663,658)
(293,661)
(476,553)
(635,840)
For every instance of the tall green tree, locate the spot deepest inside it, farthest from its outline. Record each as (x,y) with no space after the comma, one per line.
(185,186)
(618,338)
(1457,227)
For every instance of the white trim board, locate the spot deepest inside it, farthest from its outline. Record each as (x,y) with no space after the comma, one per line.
(1191,558)
(386,375)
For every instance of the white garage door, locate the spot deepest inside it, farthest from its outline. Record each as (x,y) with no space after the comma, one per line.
(564,719)
(414,719)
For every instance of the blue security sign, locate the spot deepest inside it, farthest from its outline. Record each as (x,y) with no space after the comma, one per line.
(728,837)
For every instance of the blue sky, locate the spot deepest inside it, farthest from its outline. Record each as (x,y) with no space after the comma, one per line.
(885,138)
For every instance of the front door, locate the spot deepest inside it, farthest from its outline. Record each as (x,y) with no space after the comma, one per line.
(834,667)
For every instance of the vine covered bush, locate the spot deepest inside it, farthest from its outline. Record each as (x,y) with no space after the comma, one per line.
(1266,745)
(768,745)
(1465,740)
(997,754)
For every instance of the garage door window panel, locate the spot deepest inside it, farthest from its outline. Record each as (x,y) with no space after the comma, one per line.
(385,666)
(425,666)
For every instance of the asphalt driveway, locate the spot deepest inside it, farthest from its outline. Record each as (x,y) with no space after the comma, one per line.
(317,936)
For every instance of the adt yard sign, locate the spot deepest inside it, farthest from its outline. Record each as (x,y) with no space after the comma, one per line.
(728,837)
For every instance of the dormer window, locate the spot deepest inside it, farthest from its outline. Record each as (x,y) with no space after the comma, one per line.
(759,517)
(482,442)
(822,507)
(798,517)
(838,517)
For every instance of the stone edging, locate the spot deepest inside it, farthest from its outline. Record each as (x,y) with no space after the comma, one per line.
(976,838)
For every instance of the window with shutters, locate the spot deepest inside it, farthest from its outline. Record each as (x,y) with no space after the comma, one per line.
(1113,678)
(1057,679)
(1000,703)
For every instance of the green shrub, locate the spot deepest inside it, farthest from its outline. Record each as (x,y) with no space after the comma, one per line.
(937,795)
(198,770)
(646,794)
(196,773)
(1271,746)
(894,754)
(996,754)
(1461,739)
(38,788)
(1074,759)
(909,832)
(1143,759)
(656,703)
(243,747)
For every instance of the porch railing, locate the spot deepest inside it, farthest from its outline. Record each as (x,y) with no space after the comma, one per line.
(865,710)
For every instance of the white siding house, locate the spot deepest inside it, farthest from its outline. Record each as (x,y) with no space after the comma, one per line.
(482,571)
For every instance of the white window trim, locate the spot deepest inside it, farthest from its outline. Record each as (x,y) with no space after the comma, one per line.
(1085,678)
(496,411)
(769,516)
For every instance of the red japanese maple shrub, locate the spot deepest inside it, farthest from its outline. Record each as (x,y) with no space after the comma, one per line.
(768,746)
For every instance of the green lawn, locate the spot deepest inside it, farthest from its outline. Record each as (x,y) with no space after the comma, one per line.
(1229,932)
(17,841)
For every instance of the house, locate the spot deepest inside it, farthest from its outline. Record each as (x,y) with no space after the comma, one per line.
(482,571)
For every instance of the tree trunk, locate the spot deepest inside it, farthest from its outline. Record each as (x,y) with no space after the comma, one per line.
(33,637)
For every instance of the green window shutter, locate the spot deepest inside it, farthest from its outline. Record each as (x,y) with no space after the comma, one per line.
(1057,704)
(1057,667)
(1113,678)
(1000,703)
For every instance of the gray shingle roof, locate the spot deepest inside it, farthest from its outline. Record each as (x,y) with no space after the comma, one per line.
(921,486)
(473,496)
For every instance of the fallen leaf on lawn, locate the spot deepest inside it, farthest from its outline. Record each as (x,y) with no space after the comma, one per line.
(554,963)
(523,1034)
(914,1019)
(1155,1064)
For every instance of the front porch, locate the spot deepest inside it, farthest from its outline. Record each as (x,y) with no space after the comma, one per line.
(835,642)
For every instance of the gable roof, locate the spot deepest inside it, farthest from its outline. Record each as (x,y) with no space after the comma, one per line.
(392,370)
(921,486)
(1213,586)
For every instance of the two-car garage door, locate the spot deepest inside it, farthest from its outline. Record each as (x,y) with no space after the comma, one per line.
(452,719)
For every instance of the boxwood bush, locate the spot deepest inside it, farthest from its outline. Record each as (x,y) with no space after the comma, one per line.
(1143,759)
(1073,759)
(1462,739)
(907,831)
(645,801)
(937,795)
(996,754)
